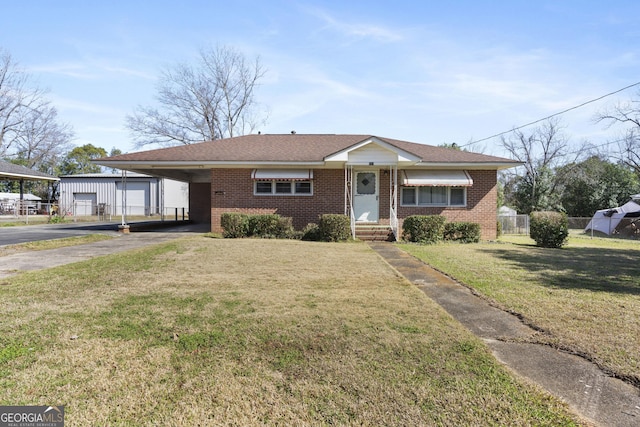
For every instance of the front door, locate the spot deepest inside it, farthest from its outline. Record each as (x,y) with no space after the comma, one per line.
(365,196)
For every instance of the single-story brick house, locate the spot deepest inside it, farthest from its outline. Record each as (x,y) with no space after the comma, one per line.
(372,179)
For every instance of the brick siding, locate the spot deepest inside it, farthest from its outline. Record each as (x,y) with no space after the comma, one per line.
(482,200)
(232,191)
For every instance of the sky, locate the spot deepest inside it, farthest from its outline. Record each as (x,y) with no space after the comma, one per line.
(431,72)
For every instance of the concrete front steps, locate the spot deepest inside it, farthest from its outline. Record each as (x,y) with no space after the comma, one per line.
(374,233)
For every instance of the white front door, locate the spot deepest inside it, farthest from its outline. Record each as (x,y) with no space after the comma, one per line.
(365,196)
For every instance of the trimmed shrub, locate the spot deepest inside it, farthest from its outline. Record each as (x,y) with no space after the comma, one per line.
(269,226)
(423,228)
(499,229)
(311,232)
(549,229)
(463,232)
(334,227)
(234,225)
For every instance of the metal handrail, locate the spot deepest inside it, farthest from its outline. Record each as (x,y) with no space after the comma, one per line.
(393,201)
(393,222)
(353,223)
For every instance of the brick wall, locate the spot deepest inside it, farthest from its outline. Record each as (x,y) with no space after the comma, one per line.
(481,205)
(232,191)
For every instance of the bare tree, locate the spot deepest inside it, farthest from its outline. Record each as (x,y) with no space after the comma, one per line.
(213,99)
(541,151)
(41,139)
(15,99)
(627,114)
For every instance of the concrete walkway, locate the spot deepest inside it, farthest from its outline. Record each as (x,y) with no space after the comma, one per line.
(600,399)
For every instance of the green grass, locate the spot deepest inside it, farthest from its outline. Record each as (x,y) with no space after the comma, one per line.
(585,297)
(205,331)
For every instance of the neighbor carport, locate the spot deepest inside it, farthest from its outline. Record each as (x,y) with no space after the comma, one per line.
(11,172)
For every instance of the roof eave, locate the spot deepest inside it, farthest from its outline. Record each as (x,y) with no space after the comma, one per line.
(469,165)
(122,164)
(8,175)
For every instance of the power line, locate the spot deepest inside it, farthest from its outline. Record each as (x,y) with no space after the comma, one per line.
(553,115)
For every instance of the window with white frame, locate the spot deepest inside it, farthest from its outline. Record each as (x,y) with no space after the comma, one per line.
(433,196)
(283,188)
(282,182)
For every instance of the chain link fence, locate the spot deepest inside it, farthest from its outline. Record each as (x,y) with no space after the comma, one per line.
(38,212)
(627,228)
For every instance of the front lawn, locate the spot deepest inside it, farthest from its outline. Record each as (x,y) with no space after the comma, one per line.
(204,331)
(585,297)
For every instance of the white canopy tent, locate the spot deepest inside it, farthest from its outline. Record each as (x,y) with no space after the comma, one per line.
(606,220)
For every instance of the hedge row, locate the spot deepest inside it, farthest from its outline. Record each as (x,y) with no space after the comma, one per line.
(236,225)
(434,228)
(330,228)
(548,229)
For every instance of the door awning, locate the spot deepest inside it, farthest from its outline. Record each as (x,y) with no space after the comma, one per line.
(282,174)
(436,178)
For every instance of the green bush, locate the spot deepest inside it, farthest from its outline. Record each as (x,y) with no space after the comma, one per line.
(334,227)
(311,232)
(549,229)
(463,232)
(499,229)
(234,225)
(269,226)
(423,228)
(56,219)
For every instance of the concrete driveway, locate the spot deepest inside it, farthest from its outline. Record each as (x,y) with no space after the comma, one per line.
(32,233)
(25,261)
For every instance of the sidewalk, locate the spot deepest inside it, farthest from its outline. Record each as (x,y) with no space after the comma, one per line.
(592,394)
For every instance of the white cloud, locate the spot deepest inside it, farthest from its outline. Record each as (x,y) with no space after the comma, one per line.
(91,69)
(364,30)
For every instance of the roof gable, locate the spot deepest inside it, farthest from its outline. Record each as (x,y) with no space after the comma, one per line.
(298,149)
(372,149)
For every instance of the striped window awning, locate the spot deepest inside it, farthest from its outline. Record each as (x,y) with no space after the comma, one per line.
(282,174)
(436,178)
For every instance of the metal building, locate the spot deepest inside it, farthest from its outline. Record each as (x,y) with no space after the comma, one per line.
(100,193)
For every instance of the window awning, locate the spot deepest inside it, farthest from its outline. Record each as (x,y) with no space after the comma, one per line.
(436,178)
(282,174)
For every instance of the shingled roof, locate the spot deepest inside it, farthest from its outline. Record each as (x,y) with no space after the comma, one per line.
(295,148)
(14,172)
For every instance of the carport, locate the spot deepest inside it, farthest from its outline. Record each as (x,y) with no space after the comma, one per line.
(11,172)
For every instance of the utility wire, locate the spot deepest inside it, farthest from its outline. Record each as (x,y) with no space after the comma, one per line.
(553,115)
